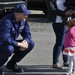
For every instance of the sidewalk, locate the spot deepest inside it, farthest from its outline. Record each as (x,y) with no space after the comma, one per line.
(37,70)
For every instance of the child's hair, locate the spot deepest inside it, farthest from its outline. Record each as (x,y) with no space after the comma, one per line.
(70,23)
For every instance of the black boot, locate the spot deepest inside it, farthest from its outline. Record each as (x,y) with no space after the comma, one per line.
(14,67)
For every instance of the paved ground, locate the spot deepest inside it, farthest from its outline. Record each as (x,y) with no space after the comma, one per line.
(39,60)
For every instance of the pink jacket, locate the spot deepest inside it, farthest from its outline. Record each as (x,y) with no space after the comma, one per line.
(69,40)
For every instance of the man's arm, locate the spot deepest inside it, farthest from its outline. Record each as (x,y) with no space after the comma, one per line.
(6,34)
(26,33)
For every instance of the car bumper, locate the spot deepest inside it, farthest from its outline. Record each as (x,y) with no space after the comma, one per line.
(9,5)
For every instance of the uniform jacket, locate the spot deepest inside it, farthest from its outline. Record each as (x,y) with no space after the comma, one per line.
(10,30)
(69,40)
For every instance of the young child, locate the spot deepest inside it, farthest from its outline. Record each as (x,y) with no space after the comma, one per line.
(69,45)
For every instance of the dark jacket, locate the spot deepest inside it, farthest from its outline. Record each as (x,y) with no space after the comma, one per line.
(54,11)
(70,4)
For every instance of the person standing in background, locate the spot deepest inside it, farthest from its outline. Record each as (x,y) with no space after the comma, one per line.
(57,15)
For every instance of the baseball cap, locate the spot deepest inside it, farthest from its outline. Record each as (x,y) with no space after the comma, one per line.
(21,8)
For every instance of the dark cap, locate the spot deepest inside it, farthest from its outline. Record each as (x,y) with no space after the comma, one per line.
(21,8)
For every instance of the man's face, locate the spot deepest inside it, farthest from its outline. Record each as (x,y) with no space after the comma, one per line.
(21,17)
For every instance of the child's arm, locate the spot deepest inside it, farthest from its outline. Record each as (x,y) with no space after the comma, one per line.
(72,31)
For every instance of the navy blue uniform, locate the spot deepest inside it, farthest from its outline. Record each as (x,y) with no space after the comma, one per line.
(9,32)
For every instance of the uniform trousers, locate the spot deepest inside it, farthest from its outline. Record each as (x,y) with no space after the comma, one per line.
(7,51)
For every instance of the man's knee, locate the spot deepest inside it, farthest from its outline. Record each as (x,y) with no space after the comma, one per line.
(31,45)
(10,49)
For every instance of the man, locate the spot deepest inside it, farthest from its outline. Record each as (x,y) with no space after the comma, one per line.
(11,26)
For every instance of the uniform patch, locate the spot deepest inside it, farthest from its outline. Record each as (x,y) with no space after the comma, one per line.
(21,27)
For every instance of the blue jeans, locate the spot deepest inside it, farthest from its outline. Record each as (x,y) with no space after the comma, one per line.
(59,30)
(6,51)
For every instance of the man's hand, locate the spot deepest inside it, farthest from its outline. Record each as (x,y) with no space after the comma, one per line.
(23,45)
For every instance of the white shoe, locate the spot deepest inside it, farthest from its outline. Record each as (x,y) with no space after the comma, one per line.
(58,66)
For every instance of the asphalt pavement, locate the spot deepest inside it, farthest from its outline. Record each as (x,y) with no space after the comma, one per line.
(39,60)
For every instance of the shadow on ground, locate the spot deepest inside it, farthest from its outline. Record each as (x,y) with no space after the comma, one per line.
(37,70)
